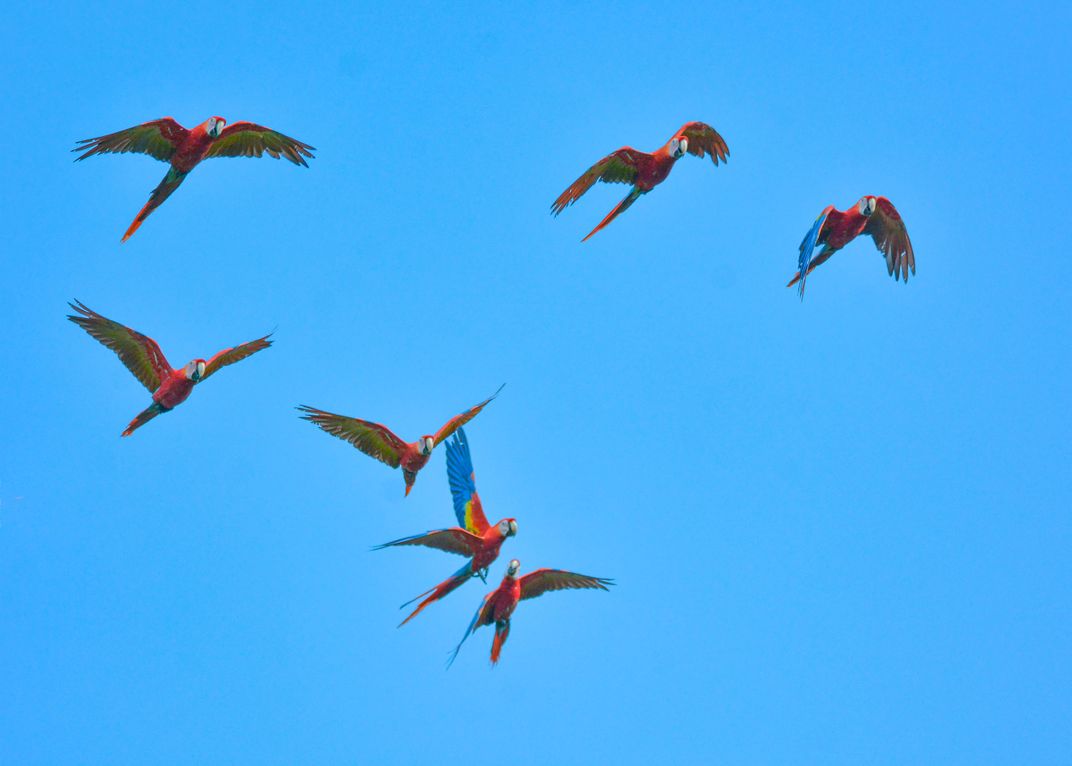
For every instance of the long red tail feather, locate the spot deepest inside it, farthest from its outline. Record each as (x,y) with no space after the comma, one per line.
(156,199)
(620,208)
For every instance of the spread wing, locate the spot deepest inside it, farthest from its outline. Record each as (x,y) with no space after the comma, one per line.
(618,167)
(246,139)
(541,581)
(236,354)
(482,617)
(371,438)
(458,421)
(891,238)
(467,506)
(450,540)
(158,139)
(140,353)
(703,139)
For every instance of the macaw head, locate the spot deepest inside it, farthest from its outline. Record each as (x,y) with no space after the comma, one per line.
(507,527)
(214,125)
(194,370)
(678,146)
(866,206)
(427,443)
(512,568)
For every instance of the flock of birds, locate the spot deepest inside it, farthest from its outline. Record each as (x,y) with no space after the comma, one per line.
(474,538)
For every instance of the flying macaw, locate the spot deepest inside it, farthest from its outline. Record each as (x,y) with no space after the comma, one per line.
(835,228)
(380,442)
(475,538)
(499,605)
(644,171)
(170,142)
(143,357)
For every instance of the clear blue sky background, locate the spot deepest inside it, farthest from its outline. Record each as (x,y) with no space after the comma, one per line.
(840,529)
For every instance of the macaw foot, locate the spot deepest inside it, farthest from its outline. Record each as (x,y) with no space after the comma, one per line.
(483,575)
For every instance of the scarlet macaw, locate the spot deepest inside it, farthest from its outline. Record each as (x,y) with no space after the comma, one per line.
(501,602)
(143,357)
(475,538)
(644,171)
(380,442)
(170,142)
(835,228)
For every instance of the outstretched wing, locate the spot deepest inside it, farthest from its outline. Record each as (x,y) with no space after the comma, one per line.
(450,540)
(140,353)
(891,238)
(158,139)
(482,617)
(236,354)
(246,139)
(371,438)
(703,139)
(458,421)
(467,506)
(618,167)
(541,581)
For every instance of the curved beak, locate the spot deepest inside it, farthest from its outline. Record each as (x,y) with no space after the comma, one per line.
(513,528)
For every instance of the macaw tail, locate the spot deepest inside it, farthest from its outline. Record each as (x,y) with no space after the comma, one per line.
(821,258)
(410,477)
(156,199)
(630,198)
(502,630)
(144,417)
(455,581)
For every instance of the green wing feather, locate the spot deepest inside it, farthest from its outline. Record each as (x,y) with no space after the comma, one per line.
(158,139)
(247,139)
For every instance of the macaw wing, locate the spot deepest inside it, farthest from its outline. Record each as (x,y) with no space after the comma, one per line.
(140,353)
(458,421)
(807,248)
(236,354)
(891,237)
(158,139)
(619,167)
(247,139)
(467,506)
(371,438)
(703,139)
(540,581)
(452,540)
(482,617)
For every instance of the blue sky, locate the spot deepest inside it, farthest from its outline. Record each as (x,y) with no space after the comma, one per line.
(840,529)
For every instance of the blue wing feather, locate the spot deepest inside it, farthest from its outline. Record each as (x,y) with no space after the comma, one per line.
(460,475)
(807,247)
(469,631)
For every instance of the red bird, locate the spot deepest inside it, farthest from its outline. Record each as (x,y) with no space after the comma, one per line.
(644,171)
(500,604)
(143,357)
(380,442)
(475,539)
(835,228)
(170,142)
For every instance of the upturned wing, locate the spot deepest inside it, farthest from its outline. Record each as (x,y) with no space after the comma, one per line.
(540,581)
(140,353)
(891,237)
(452,540)
(458,421)
(158,139)
(236,354)
(467,506)
(703,139)
(373,439)
(619,167)
(247,139)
